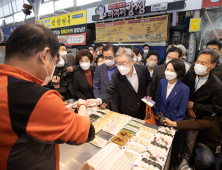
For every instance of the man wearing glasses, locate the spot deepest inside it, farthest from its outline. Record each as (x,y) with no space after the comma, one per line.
(102,78)
(133,82)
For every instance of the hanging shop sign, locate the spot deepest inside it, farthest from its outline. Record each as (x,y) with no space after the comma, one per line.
(211,3)
(146,29)
(74,18)
(129,8)
(132,8)
(73,39)
(194,25)
(159,7)
(75,29)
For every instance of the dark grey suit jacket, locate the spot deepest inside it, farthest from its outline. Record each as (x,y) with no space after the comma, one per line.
(158,74)
(131,103)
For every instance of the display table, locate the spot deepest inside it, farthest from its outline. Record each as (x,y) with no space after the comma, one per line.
(72,156)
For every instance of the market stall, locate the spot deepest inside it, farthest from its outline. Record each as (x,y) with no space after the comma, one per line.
(144,145)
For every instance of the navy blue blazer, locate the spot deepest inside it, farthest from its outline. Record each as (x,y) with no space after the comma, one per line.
(100,83)
(175,106)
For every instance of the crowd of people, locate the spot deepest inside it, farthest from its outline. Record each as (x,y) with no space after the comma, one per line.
(117,78)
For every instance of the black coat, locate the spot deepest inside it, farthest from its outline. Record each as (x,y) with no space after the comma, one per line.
(208,98)
(81,87)
(158,74)
(131,103)
(217,71)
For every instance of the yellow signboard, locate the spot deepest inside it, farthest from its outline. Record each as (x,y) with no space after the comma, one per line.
(146,29)
(74,18)
(194,25)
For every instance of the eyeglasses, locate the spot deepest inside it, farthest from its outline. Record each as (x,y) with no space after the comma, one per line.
(123,64)
(108,58)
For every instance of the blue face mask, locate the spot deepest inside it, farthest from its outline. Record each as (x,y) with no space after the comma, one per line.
(48,78)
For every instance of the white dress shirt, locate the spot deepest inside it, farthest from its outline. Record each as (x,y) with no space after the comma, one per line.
(200,81)
(170,88)
(134,80)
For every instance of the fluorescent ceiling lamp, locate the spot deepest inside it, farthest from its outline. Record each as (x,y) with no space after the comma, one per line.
(62,4)
(9,20)
(85,2)
(47,8)
(20,16)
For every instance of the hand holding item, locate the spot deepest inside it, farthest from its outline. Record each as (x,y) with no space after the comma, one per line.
(82,102)
(70,69)
(148,98)
(168,122)
(103,106)
(70,106)
(91,101)
(190,105)
(94,55)
(191,114)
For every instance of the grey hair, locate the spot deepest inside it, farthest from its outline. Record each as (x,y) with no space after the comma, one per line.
(125,51)
(214,55)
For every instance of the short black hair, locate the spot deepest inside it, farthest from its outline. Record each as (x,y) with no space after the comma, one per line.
(129,47)
(179,67)
(62,44)
(175,49)
(153,52)
(99,45)
(214,55)
(90,45)
(97,59)
(109,47)
(170,43)
(69,47)
(29,39)
(215,42)
(136,51)
(83,47)
(146,45)
(100,5)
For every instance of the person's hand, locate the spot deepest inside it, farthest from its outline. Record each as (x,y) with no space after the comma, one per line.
(70,106)
(103,106)
(190,105)
(157,117)
(70,69)
(148,97)
(91,101)
(80,101)
(168,122)
(191,114)
(94,55)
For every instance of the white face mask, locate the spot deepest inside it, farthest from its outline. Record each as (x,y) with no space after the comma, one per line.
(139,59)
(167,61)
(98,53)
(63,53)
(200,70)
(146,51)
(150,64)
(85,66)
(48,78)
(61,63)
(109,62)
(91,52)
(135,60)
(170,75)
(124,70)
